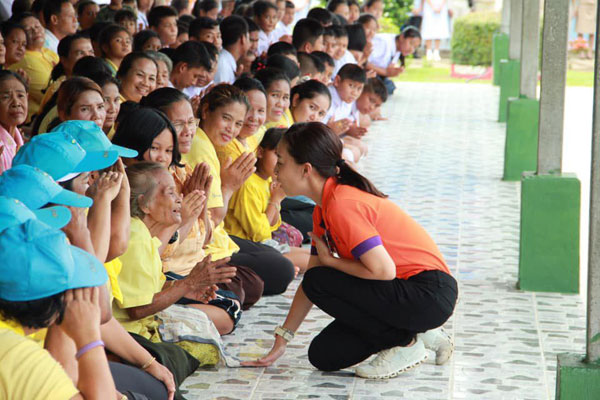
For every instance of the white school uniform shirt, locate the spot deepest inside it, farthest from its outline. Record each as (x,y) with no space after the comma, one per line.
(282,29)
(339,109)
(193,91)
(51,41)
(226,68)
(384,50)
(347,58)
(141,20)
(265,40)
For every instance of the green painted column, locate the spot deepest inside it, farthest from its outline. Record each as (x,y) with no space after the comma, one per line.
(577,380)
(499,52)
(510,72)
(520,151)
(549,246)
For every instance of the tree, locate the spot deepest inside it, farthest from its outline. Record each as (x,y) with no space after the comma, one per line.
(397,11)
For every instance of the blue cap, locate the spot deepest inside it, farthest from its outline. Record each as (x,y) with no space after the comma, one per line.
(94,140)
(13,212)
(35,188)
(59,155)
(43,263)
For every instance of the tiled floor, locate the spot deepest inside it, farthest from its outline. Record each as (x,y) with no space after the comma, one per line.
(440,158)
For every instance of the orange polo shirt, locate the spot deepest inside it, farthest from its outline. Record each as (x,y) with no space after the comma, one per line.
(354,222)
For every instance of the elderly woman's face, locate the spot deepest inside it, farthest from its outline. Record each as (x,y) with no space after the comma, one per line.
(164,206)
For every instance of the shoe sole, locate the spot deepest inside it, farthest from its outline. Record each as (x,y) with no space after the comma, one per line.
(396,373)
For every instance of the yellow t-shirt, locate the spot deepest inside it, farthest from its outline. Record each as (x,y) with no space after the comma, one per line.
(233,150)
(113,67)
(285,122)
(140,279)
(113,269)
(27,371)
(254,140)
(203,150)
(38,66)
(246,217)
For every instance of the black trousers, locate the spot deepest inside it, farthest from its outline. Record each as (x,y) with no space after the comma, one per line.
(270,265)
(298,214)
(136,383)
(372,315)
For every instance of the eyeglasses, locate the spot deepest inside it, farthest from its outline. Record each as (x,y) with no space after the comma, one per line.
(191,124)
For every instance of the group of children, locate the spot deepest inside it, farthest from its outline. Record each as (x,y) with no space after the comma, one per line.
(171,120)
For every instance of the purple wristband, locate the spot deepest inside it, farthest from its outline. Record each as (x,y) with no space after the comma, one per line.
(88,347)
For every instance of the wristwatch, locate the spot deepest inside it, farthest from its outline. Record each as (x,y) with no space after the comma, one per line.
(285,333)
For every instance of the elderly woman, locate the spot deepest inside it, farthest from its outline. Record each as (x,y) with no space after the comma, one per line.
(13,112)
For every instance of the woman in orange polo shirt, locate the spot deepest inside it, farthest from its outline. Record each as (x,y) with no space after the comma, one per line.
(373,268)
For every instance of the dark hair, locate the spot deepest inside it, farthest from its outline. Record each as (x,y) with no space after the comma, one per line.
(370,3)
(357,39)
(71,89)
(201,23)
(252,26)
(128,61)
(186,19)
(140,38)
(193,54)
(103,79)
(108,34)
(268,76)
(366,17)
(6,75)
(63,50)
(410,31)
(315,143)
(156,15)
(96,29)
(139,126)
(324,57)
(90,65)
(221,96)
(306,30)
(52,7)
(20,6)
(232,29)
(244,10)
(283,63)
(183,26)
(39,313)
(262,6)
(211,50)
(324,16)
(204,6)
(353,3)
(18,18)
(82,4)
(337,31)
(310,64)
(352,72)
(179,5)
(339,20)
(309,90)
(283,48)
(162,99)
(272,138)
(376,86)
(8,26)
(289,4)
(247,84)
(332,5)
(125,14)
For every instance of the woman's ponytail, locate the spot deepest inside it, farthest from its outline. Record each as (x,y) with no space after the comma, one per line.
(316,144)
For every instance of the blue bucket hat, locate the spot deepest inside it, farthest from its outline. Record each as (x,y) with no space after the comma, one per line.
(59,155)
(13,212)
(43,263)
(94,140)
(35,188)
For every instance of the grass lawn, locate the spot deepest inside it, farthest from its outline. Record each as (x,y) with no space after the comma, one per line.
(441,74)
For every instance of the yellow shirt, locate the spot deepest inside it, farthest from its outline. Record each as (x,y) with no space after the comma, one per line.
(52,88)
(113,67)
(285,122)
(27,371)
(246,217)
(38,66)
(140,279)
(233,150)
(203,150)
(254,140)
(113,269)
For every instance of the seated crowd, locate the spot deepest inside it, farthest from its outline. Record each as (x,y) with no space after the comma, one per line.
(168,160)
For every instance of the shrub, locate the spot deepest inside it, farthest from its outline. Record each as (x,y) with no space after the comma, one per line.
(472,38)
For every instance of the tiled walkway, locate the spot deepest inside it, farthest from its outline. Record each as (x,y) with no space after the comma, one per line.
(440,158)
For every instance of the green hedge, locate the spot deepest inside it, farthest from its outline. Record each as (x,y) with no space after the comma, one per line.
(472,38)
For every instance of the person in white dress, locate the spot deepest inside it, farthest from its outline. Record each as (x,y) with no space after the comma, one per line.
(436,26)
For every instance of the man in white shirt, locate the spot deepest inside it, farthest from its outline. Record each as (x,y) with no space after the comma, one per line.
(61,20)
(236,42)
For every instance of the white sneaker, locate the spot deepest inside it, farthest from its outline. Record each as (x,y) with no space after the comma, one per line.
(391,362)
(440,342)
(429,55)
(436,55)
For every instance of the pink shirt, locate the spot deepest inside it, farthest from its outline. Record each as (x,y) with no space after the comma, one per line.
(10,147)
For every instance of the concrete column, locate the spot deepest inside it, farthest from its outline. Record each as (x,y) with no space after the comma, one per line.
(505,23)
(530,47)
(516,26)
(554,79)
(593,294)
